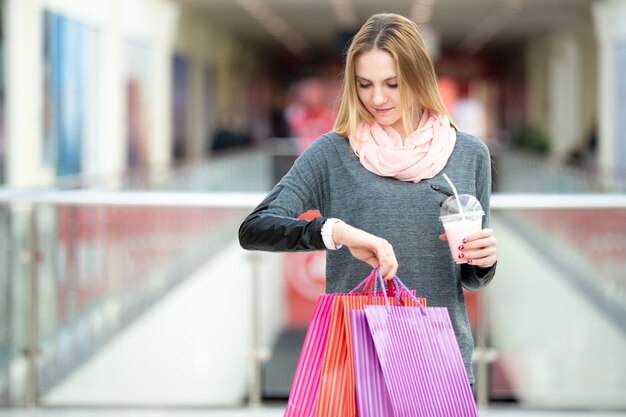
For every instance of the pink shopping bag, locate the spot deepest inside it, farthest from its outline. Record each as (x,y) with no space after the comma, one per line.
(305,386)
(420,361)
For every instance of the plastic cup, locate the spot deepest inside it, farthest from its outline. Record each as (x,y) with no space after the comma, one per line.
(460,219)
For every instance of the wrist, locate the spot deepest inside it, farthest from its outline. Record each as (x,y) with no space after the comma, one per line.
(339,233)
(329,233)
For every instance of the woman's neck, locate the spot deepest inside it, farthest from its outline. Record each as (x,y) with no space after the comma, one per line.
(399,126)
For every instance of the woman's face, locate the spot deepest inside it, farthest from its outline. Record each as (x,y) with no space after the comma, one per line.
(377,87)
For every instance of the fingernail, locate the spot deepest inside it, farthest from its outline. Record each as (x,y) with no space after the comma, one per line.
(464,240)
(461,255)
(469,261)
(461,247)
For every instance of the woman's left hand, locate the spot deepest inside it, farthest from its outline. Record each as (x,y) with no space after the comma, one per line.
(479,248)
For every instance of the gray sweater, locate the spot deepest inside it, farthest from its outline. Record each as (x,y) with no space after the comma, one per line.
(329,177)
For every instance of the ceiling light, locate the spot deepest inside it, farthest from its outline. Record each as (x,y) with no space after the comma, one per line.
(344,13)
(422,10)
(490,26)
(275,25)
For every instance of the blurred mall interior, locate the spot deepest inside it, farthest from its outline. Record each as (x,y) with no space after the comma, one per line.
(135,135)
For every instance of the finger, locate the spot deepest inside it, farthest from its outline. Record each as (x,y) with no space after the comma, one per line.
(385,253)
(470,248)
(393,269)
(481,234)
(487,242)
(388,271)
(388,263)
(479,253)
(484,262)
(443,236)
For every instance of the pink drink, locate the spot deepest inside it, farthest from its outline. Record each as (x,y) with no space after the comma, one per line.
(458,229)
(461,216)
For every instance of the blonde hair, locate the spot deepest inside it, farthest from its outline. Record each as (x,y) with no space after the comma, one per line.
(417,81)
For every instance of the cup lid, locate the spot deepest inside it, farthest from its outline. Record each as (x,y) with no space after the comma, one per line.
(469,204)
(476,215)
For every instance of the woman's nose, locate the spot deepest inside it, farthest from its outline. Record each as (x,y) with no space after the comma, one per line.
(379,97)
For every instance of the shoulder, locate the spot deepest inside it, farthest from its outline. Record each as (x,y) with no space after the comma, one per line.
(325,152)
(331,139)
(328,145)
(470,142)
(468,145)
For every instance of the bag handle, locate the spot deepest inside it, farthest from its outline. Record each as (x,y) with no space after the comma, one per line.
(366,284)
(370,281)
(369,285)
(390,291)
(406,289)
(398,284)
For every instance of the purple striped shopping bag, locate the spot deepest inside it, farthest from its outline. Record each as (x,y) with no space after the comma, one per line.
(305,385)
(421,361)
(372,397)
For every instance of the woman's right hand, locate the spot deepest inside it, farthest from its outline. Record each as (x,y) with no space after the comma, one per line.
(368,248)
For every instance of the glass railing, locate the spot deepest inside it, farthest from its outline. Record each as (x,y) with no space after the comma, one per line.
(555,315)
(83,247)
(87,265)
(80,267)
(95,262)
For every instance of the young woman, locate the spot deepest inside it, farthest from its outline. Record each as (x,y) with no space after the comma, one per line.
(377,180)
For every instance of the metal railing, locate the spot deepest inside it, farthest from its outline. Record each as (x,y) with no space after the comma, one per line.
(518,171)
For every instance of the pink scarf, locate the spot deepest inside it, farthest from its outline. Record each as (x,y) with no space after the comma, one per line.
(423,154)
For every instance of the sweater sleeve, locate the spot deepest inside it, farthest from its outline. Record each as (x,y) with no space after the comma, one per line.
(472,277)
(273,224)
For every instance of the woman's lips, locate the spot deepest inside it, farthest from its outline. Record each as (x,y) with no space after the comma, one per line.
(383,111)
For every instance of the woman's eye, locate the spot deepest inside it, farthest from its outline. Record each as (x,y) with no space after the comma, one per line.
(364,85)
(392,85)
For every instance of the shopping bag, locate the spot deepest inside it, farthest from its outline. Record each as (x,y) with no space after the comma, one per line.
(336,397)
(420,360)
(304,388)
(337,393)
(372,397)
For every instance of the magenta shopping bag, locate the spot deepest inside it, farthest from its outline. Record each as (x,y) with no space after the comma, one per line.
(305,385)
(371,392)
(305,388)
(421,361)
